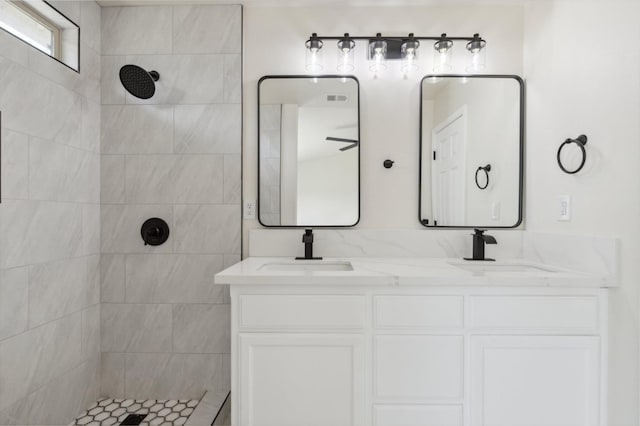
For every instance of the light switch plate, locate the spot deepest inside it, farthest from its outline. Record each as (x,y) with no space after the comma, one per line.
(495,210)
(564,205)
(249,209)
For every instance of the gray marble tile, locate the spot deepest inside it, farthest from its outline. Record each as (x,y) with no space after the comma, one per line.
(38,356)
(208,408)
(202,129)
(113,93)
(112,375)
(126,30)
(136,328)
(16,414)
(90,131)
(232,179)
(15,165)
(51,406)
(190,320)
(69,8)
(91,228)
(207,29)
(57,289)
(184,79)
(112,278)
(56,108)
(14,301)
(61,173)
(120,227)
(133,129)
(232,79)
(174,179)
(112,177)
(159,376)
(91,332)
(213,229)
(28,236)
(14,49)
(41,63)
(90,13)
(173,278)
(93,278)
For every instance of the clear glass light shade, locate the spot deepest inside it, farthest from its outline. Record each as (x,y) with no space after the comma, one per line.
(442,60)
(313,60)
(377,63)
(409,52)
(478,61)
(345,61)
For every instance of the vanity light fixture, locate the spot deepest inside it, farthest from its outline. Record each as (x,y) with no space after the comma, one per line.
(478,54)
(313,59)
(345,54)
(382,49)
(409,50)
(377,55)
(442,54)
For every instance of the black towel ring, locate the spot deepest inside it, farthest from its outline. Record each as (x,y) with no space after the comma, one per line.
(581,142)
(486,170)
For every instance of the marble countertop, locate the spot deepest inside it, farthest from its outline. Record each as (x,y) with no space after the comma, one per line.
(406,272)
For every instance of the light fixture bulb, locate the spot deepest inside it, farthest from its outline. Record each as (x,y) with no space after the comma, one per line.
(443,45)
(408,52)
(313,56)
(477,44)
(476,48)
(377,54)
(345,54)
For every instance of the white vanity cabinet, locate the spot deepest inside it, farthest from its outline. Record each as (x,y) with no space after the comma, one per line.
(346,355)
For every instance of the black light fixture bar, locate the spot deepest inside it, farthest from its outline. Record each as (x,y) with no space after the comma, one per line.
(398,38)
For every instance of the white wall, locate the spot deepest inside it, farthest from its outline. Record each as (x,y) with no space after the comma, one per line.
(274,44)
(582,65)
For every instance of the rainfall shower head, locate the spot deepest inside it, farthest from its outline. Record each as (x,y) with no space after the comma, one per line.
(138,81)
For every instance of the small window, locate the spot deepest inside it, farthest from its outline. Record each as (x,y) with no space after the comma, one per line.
(38,23)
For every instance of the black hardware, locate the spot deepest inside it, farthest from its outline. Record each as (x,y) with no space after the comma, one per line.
(388,164)
(486,170)
(425,221)
(353,142)
(154,231)
(139,82)
(312,78)
(581,141)
(133,419)
(307,239)
(479,240)
(434,156)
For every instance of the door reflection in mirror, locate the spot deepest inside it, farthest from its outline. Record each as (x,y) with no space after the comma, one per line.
(466,121)
(309,151)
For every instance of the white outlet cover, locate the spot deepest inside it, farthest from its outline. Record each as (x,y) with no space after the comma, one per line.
(564,208)
(249,209)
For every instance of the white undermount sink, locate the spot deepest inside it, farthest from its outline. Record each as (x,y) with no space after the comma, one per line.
(501,267)
(309,265)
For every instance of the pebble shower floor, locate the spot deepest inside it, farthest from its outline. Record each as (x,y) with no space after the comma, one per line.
(108,412)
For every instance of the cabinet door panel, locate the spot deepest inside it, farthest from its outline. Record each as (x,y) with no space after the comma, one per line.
(535,381)
(301,380)
(418,367)
(417,415)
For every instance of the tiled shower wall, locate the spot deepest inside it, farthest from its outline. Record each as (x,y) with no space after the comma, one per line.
(165,325)
(270,163)
(50,228)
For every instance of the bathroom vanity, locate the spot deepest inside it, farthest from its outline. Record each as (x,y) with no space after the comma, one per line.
(399,341)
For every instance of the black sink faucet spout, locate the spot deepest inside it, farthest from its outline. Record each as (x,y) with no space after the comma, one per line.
(307,239)
(479,240)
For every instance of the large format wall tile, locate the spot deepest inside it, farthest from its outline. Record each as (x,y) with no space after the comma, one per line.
(14,302)
(233,79)
(112,178)
(136,328)
(131,129)
(208,129)
(205,29)
(232,179)
(207,229)
(190,320)
(120,227)
(172,278)
(184,79)
(174,179)
(112,374)
(112,278)
(136,30)
(15,165)
(163,376)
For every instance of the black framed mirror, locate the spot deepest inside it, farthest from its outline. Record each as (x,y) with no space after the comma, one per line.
(308,151)
(471,151)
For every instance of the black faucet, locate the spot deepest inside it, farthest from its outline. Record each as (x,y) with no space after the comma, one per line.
(307,239)
(479,240)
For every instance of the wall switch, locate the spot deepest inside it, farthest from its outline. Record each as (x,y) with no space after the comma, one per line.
(565,208)
(495,210)
(250,209)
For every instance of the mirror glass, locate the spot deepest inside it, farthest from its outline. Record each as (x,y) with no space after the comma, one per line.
(309,151)
(471,147)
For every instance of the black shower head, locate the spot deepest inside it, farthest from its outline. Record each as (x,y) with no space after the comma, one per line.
(138,81)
